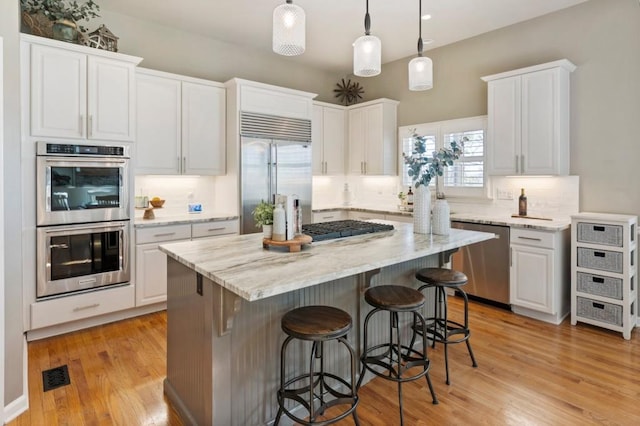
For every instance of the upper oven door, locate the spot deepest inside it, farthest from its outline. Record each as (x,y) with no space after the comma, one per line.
(79,190)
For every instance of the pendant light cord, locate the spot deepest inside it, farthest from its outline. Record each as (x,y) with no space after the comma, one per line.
(367,21)
(420,45)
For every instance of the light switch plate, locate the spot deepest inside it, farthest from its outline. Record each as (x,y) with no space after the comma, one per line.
(504,194)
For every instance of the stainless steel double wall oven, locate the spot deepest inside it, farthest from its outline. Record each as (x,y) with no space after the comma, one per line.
(82,217)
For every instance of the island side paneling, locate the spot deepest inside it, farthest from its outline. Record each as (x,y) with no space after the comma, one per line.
(231,379)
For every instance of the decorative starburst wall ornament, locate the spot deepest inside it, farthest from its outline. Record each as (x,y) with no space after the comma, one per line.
(349,92)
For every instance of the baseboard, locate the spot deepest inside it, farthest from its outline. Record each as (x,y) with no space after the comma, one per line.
(20,404)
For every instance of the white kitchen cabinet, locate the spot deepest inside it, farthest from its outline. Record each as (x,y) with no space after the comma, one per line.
(151,263)
(330,216)
(180,125)
(528,120)
(357,215)
(373,149)
(77,93)
(539,274)
(328,135)
(399,218)
(604,266)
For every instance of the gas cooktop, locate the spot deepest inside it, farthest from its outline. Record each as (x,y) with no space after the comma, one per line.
(342,228)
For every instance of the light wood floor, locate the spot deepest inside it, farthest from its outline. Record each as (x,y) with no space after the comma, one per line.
(530,373)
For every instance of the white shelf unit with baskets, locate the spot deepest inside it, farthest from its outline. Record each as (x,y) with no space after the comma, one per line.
(604,265)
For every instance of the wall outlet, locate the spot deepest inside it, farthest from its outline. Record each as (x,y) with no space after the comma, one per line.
(504,194)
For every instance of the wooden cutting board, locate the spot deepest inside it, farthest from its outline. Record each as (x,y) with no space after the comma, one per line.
(531,217)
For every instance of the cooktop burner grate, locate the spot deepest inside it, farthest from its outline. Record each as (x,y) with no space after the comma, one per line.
(342,228)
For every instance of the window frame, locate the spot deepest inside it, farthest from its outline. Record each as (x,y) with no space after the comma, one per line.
(439,129)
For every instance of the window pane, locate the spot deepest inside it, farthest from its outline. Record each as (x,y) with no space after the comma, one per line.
(468,170)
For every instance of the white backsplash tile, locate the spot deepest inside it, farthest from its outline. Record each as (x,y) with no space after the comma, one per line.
(176,189)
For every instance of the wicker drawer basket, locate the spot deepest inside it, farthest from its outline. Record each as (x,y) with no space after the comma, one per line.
(599,311)
(610,235)
(599,285)
(600,259)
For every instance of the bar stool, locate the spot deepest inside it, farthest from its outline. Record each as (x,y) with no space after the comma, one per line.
(392,357)
(440,328)
(317,324)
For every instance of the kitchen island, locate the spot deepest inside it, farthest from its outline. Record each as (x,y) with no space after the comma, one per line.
(226,298)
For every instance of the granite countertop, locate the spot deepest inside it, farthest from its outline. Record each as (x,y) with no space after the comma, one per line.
(555,224)
(177,219)
(240,264)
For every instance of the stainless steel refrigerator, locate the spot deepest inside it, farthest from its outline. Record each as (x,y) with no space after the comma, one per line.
(269,167)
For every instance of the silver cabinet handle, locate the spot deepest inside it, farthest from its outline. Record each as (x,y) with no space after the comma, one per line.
(362,167)
(522,164)
(82,308)
(365,167)
(327,217)
(167,234)
(510,256)
(81,123)
(517,164)
(184,165)
(90,126)
(530,238)
(215,229)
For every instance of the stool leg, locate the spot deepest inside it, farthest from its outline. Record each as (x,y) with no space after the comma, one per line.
(417,315)
(445,333)
(312,414)
(354,390)
(282,371)
(393,322)
(364,348)
(466,326)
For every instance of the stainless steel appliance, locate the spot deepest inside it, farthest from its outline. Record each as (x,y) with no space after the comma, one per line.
(80,257)
(81,183)
(275,159)
(485,264)
(343,228)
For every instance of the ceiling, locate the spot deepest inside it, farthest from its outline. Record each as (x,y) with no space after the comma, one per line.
(333,25)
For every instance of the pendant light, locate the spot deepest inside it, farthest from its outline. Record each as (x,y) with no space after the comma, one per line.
(421,67)
(367,52)
(288,29)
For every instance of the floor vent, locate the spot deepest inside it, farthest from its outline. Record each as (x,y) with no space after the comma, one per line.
(55,377)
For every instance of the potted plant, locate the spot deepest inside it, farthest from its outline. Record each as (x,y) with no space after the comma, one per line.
(63,15)
(263,216)
(422,168)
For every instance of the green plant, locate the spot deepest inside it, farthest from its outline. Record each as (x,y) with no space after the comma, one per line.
(263,214)
(424,167)
(62,9)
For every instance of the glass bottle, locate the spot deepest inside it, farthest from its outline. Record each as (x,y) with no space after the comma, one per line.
(410,197)
(522,203)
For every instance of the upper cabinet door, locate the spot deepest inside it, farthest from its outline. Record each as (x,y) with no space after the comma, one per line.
(317,140)
(504,127)
(334,140)
(203,129)
(58,92)
(357,135)
(158,128)
(111,98)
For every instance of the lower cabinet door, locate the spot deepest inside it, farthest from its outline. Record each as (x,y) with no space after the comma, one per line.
(151,274)
(531,280)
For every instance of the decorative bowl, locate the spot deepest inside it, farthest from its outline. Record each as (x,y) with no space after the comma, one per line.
(156,203)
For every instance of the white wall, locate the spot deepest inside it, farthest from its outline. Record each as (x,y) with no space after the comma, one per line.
(1,231)
(14,389)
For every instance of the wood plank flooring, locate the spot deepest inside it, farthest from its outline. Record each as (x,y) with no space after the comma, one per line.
(530,373)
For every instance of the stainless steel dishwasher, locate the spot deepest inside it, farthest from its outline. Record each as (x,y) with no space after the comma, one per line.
(485,264)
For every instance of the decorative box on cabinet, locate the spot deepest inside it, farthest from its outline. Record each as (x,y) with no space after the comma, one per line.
(539,274)
(78,92)
(528,129)
(328,134)
(180,125)
(604,259)
(373,149)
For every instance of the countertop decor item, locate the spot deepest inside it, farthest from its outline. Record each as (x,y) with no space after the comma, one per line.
(263,216)
(157,202)
(293,246)
(65,13)
(422,168)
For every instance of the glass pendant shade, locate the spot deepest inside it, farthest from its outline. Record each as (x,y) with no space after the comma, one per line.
(289,29)
(367,56)
(420,73)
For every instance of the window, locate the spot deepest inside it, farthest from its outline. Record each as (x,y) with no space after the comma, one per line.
(466,178)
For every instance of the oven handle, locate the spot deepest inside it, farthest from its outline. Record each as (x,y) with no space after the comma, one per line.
(76,229)
(85,160)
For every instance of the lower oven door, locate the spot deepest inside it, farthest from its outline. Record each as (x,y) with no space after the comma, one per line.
(81,257)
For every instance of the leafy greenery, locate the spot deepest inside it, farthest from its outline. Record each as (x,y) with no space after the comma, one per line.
(424,167)
(263,214)
(62,9)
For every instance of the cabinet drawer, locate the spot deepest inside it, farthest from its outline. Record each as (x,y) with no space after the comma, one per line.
(320,217)
(597,233)
(532,238)
(76,307)
(212,229)
(163,233)
(599,285)
(599,311)
(365,216)
(603,260)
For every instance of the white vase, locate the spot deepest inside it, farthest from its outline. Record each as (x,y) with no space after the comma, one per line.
(267,231)
(441,221)
(422,210)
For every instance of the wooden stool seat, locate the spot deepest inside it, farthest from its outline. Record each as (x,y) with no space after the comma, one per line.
(316,323)
(394,298)
(442,277)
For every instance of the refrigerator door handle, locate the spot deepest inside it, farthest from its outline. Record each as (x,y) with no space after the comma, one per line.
(273,178)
